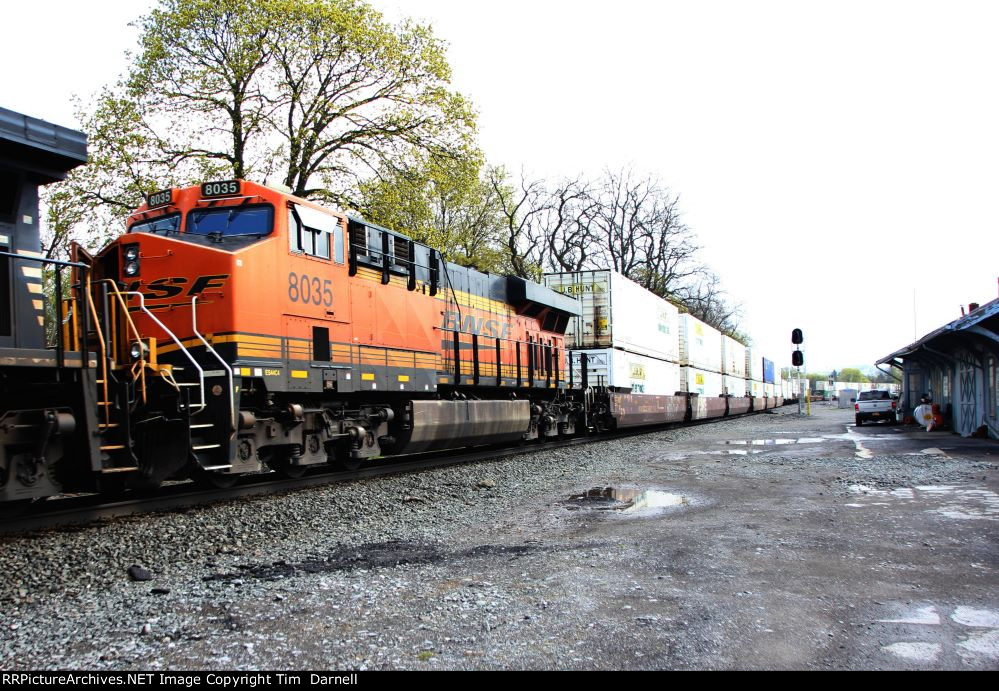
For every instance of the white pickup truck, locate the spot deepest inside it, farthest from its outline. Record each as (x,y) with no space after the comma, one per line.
(875,405)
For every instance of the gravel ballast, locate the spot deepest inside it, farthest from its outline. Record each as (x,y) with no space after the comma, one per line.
(798,543)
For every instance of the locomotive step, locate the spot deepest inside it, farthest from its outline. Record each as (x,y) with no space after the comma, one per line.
(217,467)
(108,425)
(113,447)
(118,470)
(203,425)
(205,447)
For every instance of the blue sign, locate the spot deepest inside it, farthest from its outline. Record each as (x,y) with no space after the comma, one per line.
(768,371)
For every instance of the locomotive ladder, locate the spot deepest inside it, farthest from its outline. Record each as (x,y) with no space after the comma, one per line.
(192,409)
(113,403)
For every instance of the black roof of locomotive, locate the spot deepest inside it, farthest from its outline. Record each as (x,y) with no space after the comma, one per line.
(48,151)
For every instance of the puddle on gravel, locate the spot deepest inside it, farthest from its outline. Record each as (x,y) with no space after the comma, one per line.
(629,500)
(773,442)
(683,455)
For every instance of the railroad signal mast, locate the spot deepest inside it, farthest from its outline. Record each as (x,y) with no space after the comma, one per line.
(798,359)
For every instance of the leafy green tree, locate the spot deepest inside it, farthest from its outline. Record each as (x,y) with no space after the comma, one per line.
(852,374)
(315,94)
(445,202)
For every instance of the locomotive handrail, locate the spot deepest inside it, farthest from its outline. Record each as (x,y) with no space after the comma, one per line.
(105,401)
(135,332)
(201,372)
(228,369)
(44,260)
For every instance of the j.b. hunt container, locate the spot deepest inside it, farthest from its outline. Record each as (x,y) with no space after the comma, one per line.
(701,382)
(617,313)
(754,365)
(734,386)
(626,372)
(700,345)
(706,386)
(733,357)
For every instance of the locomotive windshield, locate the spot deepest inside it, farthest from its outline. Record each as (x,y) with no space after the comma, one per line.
(232,221)
(163,224)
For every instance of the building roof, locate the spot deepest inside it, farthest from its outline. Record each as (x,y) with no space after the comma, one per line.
(981,323)
(46,150)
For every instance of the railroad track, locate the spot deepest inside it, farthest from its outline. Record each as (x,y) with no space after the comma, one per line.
(63,512)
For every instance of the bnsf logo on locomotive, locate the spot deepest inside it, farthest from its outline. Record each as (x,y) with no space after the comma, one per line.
(166,288)
(475,325)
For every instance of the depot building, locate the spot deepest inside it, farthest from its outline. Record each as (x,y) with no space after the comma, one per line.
(956,366)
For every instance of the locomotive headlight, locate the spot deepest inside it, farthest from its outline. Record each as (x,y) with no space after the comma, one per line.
(130,253)
(137,350)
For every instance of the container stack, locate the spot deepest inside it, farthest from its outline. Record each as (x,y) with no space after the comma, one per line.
(700,357)
(733,367)
(627,334)
(769,378)
(754,375)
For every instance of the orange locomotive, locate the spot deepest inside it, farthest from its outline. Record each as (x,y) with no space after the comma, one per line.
(247,328)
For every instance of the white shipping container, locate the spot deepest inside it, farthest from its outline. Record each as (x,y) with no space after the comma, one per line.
(769,390)
(618,313)
(754,365)
(700,345)
(734,386)
(733,357)
(701,381)
(627,371)
(755,388)
(847,397)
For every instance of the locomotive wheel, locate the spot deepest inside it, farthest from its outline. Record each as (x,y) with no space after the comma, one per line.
(282,465)
(343,461)
(349,463)
(213,479)
(144,483)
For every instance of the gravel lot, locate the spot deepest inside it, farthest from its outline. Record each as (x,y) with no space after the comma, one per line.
(781,542)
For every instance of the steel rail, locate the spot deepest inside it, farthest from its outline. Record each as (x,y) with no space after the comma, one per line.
(82,510)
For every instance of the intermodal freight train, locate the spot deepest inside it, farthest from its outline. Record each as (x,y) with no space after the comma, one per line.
(236,329)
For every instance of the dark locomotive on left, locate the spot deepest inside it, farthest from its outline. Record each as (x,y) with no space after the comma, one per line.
(47,395)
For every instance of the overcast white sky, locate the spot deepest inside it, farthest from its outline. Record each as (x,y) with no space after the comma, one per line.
(837,160)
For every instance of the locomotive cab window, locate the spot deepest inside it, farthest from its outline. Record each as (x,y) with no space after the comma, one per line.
(164,224)
(315,233)
(232,221)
